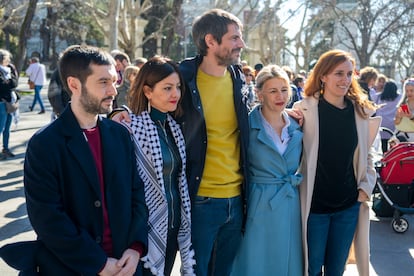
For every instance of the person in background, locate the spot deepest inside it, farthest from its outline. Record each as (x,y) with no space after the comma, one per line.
(303,73)
(58,97)
(139,62)
(37,73)
(85,199)
(387,101)
(248,89)
(404,116)
(160,149)
(293,87)
(122,61)
(130,74)
(215,127)
(367,79)
(299,83)
(379,85)
(8,81)
(272,242)
(336,187)
(6,152)
(257,68)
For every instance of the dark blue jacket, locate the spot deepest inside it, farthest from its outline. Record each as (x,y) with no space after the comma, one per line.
(63,194)
(194,125)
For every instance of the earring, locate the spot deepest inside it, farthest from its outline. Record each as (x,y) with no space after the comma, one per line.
(322,87)
(149,107)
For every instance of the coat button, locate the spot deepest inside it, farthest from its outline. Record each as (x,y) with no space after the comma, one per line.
(97,204)
(197,178)
(98,239)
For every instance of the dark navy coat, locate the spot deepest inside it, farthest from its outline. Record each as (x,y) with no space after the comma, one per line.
(63,195)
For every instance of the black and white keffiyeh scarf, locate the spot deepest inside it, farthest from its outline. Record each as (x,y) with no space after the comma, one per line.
(150,168)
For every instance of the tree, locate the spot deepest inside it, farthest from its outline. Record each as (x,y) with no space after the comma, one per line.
(173,50)
(24,34)
(130,11)
(363,27)
(397,53)
(119,21)
(11,14)
(314,35)
(263,34)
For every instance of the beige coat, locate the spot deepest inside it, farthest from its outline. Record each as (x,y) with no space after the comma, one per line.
(365,174)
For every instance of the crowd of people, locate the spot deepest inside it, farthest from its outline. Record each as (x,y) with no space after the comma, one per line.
(228,164)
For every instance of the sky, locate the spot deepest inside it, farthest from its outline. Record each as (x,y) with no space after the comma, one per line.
(288,22)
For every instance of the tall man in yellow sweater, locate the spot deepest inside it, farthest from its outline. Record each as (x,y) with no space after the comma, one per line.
(215,127)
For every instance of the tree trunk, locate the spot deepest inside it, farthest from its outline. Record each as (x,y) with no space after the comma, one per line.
(113,24)
(170,36)
(24,34)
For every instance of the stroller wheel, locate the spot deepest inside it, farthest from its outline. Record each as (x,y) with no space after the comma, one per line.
(399,225)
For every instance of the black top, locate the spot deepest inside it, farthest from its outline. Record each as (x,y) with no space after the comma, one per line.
(335,184)
(7,84)
(171,167)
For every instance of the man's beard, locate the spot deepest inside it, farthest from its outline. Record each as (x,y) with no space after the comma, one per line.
(228,58)
(93,105)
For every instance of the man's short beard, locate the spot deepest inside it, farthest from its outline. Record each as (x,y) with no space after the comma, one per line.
(227,60)
(92,105)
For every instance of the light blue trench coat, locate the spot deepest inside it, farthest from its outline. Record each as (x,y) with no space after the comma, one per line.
(272,243)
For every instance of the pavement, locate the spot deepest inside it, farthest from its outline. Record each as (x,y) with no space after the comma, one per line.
(391,253)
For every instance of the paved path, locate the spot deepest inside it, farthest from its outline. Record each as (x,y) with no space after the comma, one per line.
(14,223)
(391,253)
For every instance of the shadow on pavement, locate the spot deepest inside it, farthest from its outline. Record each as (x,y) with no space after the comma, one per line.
(391,251)
(6,195)
(15,227)
(14,174)
(20,211)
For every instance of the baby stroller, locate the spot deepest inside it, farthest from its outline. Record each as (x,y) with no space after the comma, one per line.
(393,195)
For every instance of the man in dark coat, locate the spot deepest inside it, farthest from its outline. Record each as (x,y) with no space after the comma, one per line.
(84,197)
(58,97)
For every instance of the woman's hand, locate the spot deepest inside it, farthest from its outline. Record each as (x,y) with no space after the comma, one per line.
(296,114)
(400,114)
(122,116)
(362,196)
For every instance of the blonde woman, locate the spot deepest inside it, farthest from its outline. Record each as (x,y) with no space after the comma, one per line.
(272,243)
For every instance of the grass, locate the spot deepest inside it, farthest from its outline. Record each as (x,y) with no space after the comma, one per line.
(25,92)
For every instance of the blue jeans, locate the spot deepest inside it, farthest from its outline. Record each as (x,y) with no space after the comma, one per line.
(329,239)
(37,97)
(216,233)
(6,131)
(3,116)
